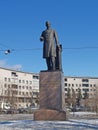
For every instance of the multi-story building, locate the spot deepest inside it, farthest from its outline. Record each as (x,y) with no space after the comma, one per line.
(85,84)
(21,89)
(17,88)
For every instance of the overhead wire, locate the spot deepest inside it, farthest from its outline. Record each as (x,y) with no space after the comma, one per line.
(35,49)
(9,50)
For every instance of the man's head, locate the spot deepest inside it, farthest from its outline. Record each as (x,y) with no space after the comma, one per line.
(48,24)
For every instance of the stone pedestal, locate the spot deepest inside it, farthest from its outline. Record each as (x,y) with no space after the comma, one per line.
(49,115)
(51,97)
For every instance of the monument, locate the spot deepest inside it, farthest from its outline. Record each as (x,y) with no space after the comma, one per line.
(51,81)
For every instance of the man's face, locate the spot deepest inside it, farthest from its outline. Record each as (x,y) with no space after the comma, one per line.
(47,24)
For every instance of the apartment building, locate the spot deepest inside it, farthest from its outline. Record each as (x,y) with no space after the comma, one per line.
(18,88)
(21,89)
(86,84)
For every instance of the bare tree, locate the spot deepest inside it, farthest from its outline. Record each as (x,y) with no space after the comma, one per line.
(73,99)
(68,99)
(79,97)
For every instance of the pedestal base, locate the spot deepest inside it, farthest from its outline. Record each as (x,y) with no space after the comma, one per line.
(49,115)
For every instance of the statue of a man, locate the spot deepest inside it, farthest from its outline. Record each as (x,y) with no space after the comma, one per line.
(50,39)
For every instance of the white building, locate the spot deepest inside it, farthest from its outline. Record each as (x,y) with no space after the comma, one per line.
(85,84)
(21,89)
(18,88)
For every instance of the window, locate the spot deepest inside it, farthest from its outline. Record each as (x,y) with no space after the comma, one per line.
(26,93)
(80,85)
(26,81)
(5,85)
(65,84)
(26,87)
(72,85)
(19,81)
(65,89)
(15,92)
(23,81)
(30,87)
(85,80)
(23,87)
(86,90)
(9,79)
(30,82)
(19,87)
(14,74)
(65,79)
(8,85)
(5,79)
(35,77)
(14,86)
(85,85)
(68,84)
(19,93)
(31,93)
(22,93)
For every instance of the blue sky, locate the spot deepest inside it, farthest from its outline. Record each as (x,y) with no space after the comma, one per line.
(76,22)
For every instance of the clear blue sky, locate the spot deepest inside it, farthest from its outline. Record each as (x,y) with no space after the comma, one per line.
(76,22)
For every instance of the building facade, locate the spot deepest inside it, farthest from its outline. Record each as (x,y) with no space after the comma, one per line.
(21,89)
(18,89)
(85,84)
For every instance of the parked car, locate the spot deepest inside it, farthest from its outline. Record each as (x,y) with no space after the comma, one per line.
(22,110)
(78,108)
(3,111)
(31,109)
(12,111)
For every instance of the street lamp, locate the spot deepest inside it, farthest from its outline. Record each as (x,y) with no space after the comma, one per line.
(7,52)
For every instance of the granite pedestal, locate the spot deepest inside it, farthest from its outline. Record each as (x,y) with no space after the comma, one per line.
(51,96)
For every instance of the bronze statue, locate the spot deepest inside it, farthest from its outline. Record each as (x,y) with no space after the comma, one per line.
(51,48)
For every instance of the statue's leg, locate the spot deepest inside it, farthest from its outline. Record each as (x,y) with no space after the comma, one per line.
(48,63)
(53,63)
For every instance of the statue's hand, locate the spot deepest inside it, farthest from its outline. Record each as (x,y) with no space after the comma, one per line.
(41,39)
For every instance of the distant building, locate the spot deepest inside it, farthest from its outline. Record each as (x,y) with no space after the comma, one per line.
(21,89)
(85,84)
(18,89)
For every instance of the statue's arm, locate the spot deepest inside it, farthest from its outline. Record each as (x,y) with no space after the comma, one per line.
(42,37)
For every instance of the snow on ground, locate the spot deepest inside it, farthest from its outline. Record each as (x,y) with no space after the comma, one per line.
(50,125)
(83,113)
(71,124)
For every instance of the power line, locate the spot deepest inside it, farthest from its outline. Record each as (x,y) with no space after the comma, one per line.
(80,48)
(66,48)
(34,49)
(29,49)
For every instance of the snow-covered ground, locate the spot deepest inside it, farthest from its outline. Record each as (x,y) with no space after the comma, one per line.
(50,125)
(71,124)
